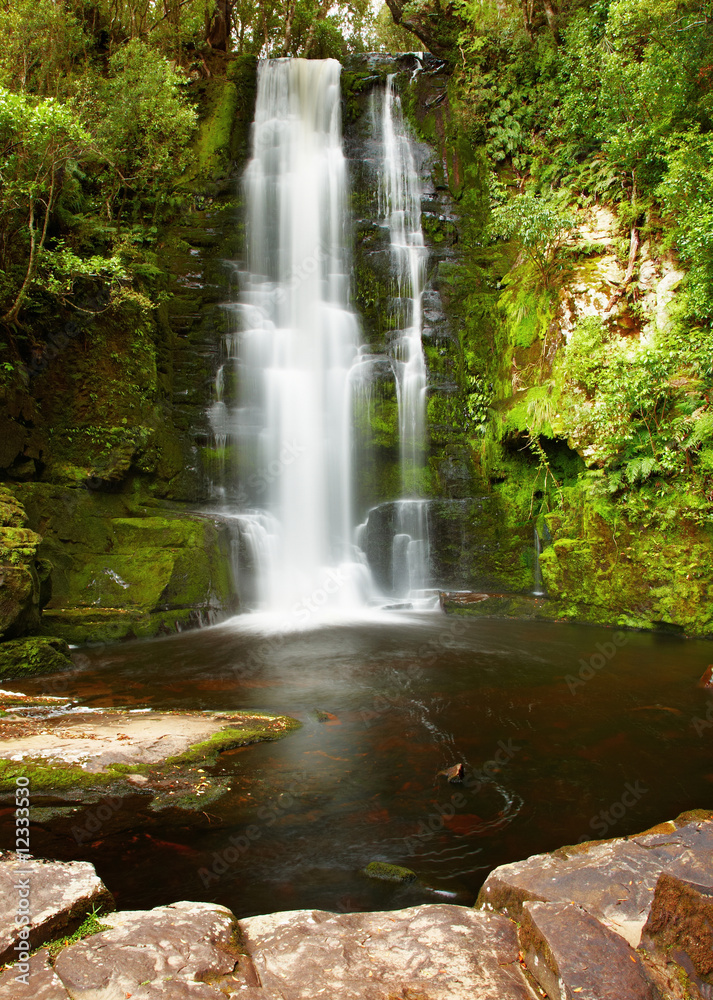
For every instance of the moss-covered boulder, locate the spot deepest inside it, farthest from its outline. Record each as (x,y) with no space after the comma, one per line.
(389,873)
(125,568)
(33,655)
(20,583)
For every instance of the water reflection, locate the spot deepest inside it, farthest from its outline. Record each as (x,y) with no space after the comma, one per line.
(387,703)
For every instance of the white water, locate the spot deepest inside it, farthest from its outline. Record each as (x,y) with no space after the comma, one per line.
(400,206)
(299,342)
(284,397)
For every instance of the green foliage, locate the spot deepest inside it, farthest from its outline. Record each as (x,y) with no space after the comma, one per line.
(687,194)
(141,121)
(540,229)
(90,925)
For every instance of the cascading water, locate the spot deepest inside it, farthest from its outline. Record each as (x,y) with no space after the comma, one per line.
(285,396)
(400,206)
(297,343)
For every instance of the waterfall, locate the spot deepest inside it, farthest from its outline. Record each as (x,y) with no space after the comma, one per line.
(296,344)
(400,206)
(294,372)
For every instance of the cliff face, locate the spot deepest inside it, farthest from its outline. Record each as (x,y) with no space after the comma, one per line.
(103,439)
(577,394)
(105,451)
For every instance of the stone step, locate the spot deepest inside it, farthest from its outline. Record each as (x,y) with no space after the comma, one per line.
(575,957)
(433,952)
(613,879)
(60,895)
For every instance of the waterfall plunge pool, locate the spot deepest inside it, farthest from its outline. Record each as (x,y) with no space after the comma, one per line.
(386,703)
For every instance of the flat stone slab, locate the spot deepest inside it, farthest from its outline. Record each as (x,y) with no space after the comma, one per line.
(431,952)
(614,880)
(40,982)
(572,955)
(183,950)
(94,740)
(60,895)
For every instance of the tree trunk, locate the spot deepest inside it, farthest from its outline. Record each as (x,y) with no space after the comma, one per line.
(11,316)
(288,27)
(323,11)
(218,33)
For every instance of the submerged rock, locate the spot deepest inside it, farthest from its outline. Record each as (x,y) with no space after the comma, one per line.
(389,873)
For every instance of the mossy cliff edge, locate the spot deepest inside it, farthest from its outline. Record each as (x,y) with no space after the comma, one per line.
(568,411)
(103,433)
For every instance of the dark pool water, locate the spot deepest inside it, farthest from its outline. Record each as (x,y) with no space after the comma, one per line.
(407,696)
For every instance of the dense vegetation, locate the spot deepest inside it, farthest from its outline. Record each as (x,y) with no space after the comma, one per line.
(558,119)
(98,111)
(567,109)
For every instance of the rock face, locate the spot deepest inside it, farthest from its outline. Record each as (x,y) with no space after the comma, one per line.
(20,570)
(434,952)
(681,922)
(33,655)
(571,954)
(124,568)
(40,982)
(60,895)
(614,880)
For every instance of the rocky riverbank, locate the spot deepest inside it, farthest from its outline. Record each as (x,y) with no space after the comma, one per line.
(628,918)
(74,754)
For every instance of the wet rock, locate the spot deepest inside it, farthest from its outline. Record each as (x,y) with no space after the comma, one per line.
(613,879)
(19,580)
(389,873)
(572,955)
(433,952)
(170,951)
(39,982)
(34,655)
(453,774)
(61,894)
(124,569)
(706,680)
(680,924)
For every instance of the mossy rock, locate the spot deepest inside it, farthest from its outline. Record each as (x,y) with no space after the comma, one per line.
(33,655)
(389,873)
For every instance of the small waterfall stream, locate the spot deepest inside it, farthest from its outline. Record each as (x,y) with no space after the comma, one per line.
(400,206)
(284,398)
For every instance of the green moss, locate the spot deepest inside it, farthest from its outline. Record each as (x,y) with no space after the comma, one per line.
(90,925)
(229,739)
(389,873)
(66,777)
(34,655)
